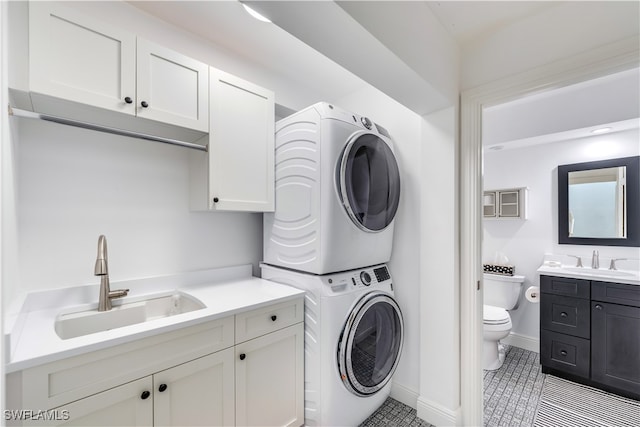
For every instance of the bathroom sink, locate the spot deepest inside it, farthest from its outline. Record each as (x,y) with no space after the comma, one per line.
(76,324)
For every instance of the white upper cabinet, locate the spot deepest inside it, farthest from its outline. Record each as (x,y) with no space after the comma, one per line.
(240,161)
(75,57)
(81,59)
(171,87)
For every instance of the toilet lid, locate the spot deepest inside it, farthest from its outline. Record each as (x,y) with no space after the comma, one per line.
(494,315)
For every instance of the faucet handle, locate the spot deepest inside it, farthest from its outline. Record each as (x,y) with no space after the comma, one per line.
(578,260)
(612,265)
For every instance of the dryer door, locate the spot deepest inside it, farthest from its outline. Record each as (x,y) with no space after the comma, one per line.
(369,182)
(370,344)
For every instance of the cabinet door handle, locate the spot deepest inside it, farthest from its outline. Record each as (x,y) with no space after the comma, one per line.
(598,307)
(563,314)
(274,317)
(563,352)
(162,388)
(144,104)
(145,394)
(216,200)
(128,100)
(242,356)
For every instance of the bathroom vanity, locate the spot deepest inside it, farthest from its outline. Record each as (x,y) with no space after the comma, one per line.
(590,332)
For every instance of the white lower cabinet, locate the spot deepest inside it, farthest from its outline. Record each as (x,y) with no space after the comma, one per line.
(197,393)
(270,379)
(197,376)
(119,406)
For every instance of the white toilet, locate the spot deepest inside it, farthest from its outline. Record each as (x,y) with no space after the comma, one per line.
(501,293)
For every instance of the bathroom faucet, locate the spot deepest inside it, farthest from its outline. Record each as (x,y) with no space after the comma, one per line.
(102,269)
(595,260)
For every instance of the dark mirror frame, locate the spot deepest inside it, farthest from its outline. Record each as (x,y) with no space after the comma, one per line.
(633,202)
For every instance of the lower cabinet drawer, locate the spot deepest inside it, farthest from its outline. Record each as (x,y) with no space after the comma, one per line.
(269,319)
(566,315)
(566,353)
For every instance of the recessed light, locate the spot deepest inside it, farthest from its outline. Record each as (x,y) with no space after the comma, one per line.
(601,130)
(255,14)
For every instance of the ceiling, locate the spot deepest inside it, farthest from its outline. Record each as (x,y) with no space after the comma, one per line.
(338,57)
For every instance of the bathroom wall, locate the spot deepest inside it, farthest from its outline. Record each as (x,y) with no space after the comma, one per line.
(526,241)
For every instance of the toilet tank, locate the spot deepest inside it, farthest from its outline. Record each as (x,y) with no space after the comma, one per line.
(502,291)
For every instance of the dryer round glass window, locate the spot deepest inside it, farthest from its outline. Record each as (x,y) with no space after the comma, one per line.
(369,182)
(370,344)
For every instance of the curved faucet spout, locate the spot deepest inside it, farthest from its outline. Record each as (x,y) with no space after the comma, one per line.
(102,269)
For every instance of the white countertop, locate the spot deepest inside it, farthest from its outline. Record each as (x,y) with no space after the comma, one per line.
(34,340)
(601,275)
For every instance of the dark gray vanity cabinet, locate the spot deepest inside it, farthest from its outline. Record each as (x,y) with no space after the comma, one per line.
(590,333)
(615,335)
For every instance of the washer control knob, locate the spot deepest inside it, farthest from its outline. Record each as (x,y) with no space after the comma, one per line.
(366,122)
(366,278)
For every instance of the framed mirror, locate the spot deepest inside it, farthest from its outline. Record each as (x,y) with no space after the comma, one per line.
(599,203)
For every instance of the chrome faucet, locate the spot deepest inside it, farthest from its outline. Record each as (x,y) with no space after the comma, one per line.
(595,260)
(612,265)
(102,269)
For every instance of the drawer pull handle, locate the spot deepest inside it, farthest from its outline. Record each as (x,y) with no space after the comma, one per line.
(274,317)
(598,307)
(162,388)
(563,352)
(145,394)
(242,356)
(563,314)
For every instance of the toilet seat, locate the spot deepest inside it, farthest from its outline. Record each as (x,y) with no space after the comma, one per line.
(495,315)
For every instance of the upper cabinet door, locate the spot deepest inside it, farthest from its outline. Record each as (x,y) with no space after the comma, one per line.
(241,145)
(172,88)
(81,59)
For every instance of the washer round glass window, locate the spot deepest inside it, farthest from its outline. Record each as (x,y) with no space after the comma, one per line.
(370,344)
(369,182)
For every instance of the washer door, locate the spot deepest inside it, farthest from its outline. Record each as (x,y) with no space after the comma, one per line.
(369,182)
(370,344)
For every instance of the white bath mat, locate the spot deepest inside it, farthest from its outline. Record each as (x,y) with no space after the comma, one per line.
(568,404)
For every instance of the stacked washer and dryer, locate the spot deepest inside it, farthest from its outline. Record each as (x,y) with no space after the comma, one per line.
(337,193)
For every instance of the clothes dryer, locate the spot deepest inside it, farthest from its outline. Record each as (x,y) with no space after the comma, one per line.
(337,192)
(353,341)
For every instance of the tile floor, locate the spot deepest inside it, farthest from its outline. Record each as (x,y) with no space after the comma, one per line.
(511,396)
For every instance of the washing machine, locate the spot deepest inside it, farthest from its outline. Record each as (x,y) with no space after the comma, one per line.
(337,192)
(353,341)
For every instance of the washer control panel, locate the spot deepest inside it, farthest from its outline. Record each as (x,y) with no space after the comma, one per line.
(358,279)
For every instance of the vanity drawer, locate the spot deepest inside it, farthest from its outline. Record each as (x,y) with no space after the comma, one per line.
(565,286)
(262,321)
(565,315)
(565,353)
(617,293)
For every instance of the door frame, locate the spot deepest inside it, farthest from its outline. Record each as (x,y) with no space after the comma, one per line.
(608,59)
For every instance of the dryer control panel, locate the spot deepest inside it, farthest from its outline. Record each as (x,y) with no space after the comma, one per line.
(354,280)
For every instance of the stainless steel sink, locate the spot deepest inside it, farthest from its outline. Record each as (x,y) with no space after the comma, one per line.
(76,324)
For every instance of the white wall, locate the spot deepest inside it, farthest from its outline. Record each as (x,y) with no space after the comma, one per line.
(525,242)
(554,34)
(76,184)
(439,261)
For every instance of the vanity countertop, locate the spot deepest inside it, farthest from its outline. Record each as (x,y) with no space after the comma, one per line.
(604,275)
(33,340)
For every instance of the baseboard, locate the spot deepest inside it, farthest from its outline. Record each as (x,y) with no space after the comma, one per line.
(523,341)
(404,395)
(436,414)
